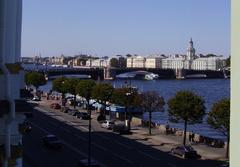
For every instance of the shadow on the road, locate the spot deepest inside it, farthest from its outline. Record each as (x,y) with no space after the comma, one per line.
(111,149)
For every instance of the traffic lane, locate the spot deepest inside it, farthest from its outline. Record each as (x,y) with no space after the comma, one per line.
(106,144)
(147,154)
(77,140)
(38,155)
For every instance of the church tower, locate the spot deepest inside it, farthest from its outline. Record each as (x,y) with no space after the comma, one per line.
(190,51)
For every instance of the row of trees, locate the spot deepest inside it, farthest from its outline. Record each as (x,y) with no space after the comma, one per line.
(185,106)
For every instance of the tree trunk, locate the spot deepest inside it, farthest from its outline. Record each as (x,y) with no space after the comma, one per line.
(150,123)
(185,131)
(227,149)
(74,101)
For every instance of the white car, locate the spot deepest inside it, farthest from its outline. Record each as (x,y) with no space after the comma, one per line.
(36,98)
(107,124)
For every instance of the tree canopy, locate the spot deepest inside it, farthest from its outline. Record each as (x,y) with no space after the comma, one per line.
(152,102)
(114,62)
(85,88)
(58,85)
(186,106)
(219,119)
(219,116)
(35,79)
(119,97)
(102,92)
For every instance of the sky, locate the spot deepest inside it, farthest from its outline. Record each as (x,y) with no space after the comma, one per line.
(112,27)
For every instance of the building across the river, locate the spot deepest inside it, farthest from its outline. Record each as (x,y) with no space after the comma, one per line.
(188,61)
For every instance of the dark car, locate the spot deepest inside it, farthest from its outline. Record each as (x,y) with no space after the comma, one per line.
(72,112)
(82,115)
(121,129)
(84,163)
(52,141)
(185,151)
(65,109)
(55,106)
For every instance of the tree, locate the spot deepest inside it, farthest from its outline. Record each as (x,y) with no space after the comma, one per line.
(114,62)
(85,88)
(228,62)
(219,119)
(152,102)
(58,85)
(102,92)
(35,79)
(69,86)
(187,107)
(127,97)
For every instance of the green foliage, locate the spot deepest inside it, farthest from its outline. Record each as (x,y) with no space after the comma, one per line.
(120,97)
(228,62)
(219,116)
(103,92)
(35,79)
(151,102)
(186,106)
(70,85)
(57,85)
(85,87)
(13,68)
(114,62)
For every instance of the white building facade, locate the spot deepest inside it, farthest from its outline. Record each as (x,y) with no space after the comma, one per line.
(98,63)
(11,81)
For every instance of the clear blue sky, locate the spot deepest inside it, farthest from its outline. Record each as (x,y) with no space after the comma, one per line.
(110,27)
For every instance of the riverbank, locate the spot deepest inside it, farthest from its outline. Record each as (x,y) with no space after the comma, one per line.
(158,140)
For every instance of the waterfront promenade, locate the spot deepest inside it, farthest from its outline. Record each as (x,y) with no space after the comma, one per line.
(158,140)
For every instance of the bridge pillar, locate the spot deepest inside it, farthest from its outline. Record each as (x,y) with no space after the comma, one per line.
(107,73)
(179,74)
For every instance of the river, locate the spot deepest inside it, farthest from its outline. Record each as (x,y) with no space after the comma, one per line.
(211,90)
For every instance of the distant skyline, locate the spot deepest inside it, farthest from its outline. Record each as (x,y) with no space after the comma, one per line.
(107,27)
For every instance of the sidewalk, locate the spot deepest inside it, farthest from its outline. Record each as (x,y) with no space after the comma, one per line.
(166,142)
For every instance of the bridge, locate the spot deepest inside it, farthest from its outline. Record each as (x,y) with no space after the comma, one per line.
(110,73)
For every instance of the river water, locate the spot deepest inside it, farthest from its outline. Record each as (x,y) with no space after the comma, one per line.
(211,90)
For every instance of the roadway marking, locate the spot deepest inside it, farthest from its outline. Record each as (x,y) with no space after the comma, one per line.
(123,158)
(148,155)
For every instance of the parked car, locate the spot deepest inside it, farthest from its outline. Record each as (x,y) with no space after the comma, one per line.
(108,124)
(84,163)
(82,115)
(36,98)
(185,151)
(52,141)
(73,112)
(55,106)
(121,129)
